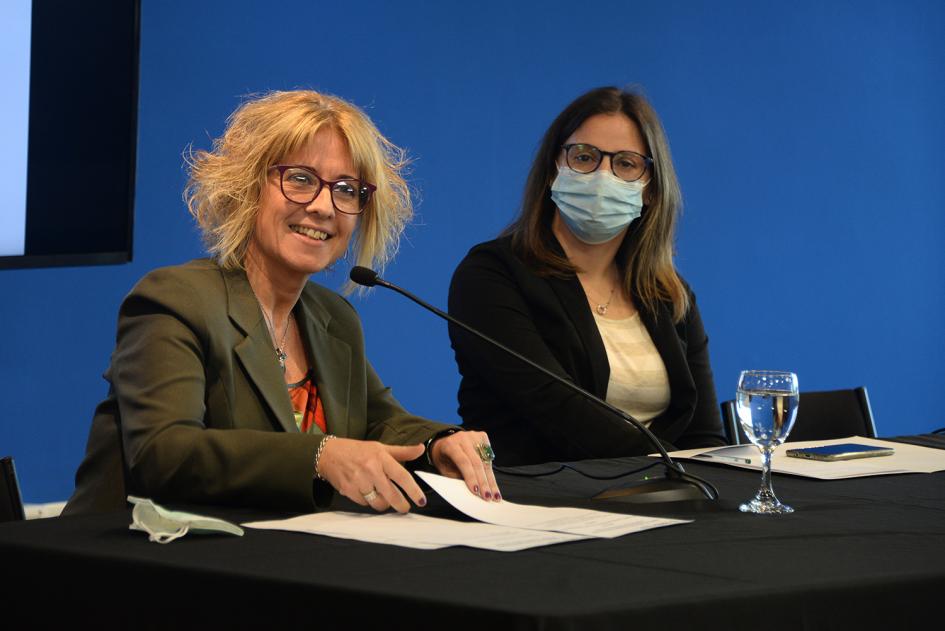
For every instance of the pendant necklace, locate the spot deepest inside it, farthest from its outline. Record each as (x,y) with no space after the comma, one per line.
(602,307)
(280,348)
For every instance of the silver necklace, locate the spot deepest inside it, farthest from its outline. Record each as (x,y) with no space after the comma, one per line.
(280,352)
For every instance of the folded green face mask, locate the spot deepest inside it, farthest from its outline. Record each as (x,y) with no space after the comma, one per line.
(163,526)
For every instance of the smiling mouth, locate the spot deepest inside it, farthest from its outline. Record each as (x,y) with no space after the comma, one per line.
(311,233)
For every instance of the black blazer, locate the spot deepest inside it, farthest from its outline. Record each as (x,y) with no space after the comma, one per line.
(528,416)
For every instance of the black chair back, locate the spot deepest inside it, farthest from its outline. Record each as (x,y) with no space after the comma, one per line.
(11,502)
(820,415)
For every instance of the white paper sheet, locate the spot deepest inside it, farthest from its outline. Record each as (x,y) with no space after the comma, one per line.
(416,531)
(508,526)
(578,521)
(906,459)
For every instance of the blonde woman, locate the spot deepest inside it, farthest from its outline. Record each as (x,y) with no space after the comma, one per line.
(235,379)
(583,282)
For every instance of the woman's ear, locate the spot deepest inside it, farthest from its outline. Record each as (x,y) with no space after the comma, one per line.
(648,194)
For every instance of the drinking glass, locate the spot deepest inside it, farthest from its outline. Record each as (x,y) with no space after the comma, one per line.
(767,406)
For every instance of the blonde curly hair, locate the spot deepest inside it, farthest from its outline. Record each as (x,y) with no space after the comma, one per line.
(225,183)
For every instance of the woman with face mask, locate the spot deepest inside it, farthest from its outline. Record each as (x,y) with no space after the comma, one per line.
(583,283)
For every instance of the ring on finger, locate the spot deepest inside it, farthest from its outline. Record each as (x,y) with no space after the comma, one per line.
(486,454)
(370,496)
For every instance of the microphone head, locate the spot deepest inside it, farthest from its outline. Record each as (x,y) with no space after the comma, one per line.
(363,276)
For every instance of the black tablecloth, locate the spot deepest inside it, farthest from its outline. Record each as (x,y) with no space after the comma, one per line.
(861,553)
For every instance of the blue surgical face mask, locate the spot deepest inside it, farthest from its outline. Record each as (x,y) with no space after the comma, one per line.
(596,206)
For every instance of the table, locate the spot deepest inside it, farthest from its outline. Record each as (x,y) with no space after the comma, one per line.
(862,553)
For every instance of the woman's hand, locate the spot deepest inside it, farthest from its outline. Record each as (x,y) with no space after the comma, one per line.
(458,456)
(369,473)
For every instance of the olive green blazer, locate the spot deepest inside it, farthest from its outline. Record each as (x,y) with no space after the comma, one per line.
(198,410)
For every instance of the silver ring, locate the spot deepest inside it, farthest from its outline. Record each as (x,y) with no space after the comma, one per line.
(370,496)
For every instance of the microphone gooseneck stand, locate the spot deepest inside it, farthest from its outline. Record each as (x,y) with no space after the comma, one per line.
(676,485)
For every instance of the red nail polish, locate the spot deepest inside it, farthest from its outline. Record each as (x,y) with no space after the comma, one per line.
(422,502)
(497,497)
(488,495)
(476,489)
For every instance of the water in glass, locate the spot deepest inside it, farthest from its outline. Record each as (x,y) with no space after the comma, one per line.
(766,416)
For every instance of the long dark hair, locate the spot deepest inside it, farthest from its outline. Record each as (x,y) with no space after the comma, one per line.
(646,256)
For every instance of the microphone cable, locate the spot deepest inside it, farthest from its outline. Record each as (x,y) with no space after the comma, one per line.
(562,466)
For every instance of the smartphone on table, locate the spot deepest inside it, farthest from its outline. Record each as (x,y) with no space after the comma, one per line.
(842,451)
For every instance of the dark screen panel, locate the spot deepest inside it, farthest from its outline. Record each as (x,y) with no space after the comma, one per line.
(83,130)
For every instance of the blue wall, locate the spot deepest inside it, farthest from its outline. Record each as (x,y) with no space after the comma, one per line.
(808,138)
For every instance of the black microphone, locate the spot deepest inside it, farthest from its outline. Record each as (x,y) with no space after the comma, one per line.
(364,276)
(678,483)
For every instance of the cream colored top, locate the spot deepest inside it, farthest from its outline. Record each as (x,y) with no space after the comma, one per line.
(638,382)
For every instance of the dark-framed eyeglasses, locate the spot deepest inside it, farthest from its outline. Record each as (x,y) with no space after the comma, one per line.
(301,184)
(629,166)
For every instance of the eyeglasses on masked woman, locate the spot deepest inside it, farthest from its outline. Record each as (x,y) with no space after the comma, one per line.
(629,166)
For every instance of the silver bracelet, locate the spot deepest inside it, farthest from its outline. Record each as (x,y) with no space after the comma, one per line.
(318,456)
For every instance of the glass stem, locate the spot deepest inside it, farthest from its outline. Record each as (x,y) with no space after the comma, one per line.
(766,493)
